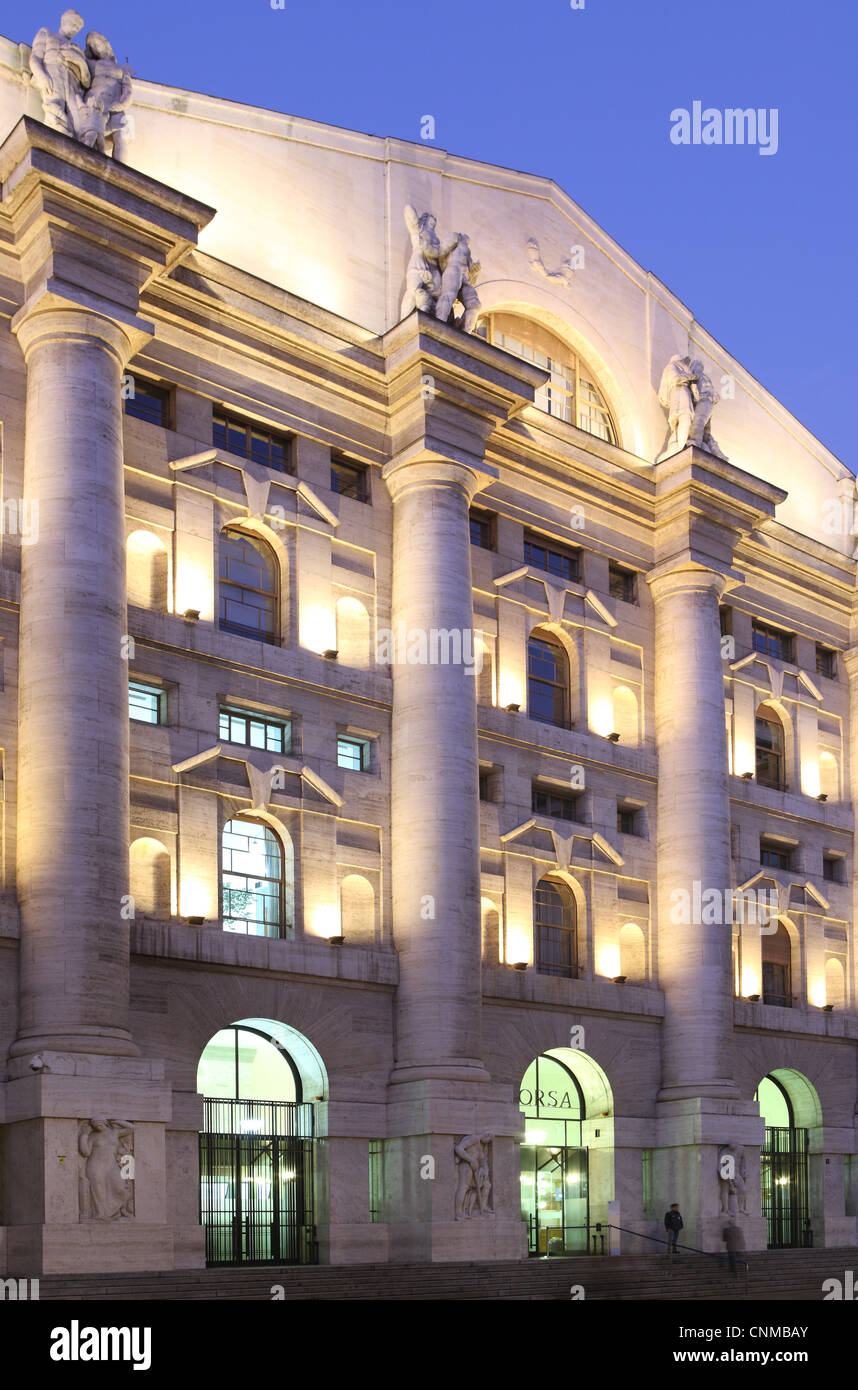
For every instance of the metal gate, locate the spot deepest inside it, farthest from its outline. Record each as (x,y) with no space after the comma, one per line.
(256,1182)
(785,1188)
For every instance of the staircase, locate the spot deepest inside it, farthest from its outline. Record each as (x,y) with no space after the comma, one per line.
(774,1275)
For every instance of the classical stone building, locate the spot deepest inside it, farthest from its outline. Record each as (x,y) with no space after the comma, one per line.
(399,920)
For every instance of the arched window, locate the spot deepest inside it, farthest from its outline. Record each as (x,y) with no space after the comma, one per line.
(769,740)
(249,592)
(256,893)
(547,681)
(571,393)
(555,945)
(777,967)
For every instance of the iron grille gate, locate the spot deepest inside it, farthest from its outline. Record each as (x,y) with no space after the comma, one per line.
(785,1188)
(256,1182)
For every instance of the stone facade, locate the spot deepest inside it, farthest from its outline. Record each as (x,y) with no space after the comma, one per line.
(397,990)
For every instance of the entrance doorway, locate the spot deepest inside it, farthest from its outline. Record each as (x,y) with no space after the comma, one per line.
(784,1170)
(554,1162)
(256,1152)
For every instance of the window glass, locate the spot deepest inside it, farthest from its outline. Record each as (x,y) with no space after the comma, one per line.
(145,703)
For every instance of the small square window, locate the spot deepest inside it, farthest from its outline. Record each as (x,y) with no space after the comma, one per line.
(770,641)
(627,820)
(147,401)
(833,868)
(349,479)
(485,784)
(622,584)
(482,525)
(353,754)
(145,703)
(552,558)
(254,730)
(826,662)
(774,856)
(557,805)
(250,441)
(725,621)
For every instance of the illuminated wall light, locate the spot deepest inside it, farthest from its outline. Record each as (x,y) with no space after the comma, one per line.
(811,784)
(193,589)
(325,921)
(510,690)
(750,983)
(608,958)
(745,761)
(519,945)
(318,629)
(601,716)
(817,993)
(195,898)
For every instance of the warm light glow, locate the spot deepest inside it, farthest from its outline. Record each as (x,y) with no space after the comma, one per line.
(601,716)
(193,588)
(518,945)
(318,632)
(817,993)
(745,759)
(608,958)
(195,898)
(325,922)
(143,543)
(510,690)
(810,780)
(750,982)
(535,1136)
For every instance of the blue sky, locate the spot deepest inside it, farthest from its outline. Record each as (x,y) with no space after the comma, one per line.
(761,248)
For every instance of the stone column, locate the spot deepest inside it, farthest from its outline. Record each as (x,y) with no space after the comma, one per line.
(434,774)
(73,691)
(694,957)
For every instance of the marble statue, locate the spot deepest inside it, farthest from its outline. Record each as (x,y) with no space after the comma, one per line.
(688,396)
(734,1190)
(562,276)
(439,275)
(85,94)
(473,1155)
(106,1195)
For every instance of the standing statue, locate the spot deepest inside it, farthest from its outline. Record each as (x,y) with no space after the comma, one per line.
(474,1183)
(688,396)
(733,1189)
(84,94)
(437,276)
(106,1195)
(60,71)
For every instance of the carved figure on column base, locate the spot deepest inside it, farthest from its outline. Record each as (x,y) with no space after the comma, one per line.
(106,1187)
(473,1155)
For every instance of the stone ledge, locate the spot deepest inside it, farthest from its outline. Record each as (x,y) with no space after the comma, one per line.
(601,996)
(210,946)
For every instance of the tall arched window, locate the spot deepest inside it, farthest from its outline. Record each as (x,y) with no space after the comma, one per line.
(256,897)
(777,967)
(769,740)
(571,393)
(249,591)
(555,945)
(547,681)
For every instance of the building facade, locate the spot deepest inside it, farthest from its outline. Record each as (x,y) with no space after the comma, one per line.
(428,778)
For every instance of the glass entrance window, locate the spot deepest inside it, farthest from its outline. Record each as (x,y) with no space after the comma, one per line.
(554,1187)
(784,1170)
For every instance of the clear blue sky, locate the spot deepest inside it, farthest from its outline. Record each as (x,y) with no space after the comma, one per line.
(761,248)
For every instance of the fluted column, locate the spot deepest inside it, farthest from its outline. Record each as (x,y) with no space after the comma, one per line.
(73,690)
(435,783)
(694,957)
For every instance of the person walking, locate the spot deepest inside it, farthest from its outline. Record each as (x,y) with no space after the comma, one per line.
(673,1224)
(735,1243)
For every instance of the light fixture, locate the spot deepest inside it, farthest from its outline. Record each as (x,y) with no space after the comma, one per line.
(828,1008)
(512,709)
(613,738)
(195,921)
(753,998)
(192,615)
(336,940)
(520,965)
(619,979)
(747,776)
(331,654)
(823,796)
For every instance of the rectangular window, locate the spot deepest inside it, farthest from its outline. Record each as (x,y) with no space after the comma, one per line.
(772,642)
(622,584)
(353,754)
(376,1178)
(147,401)
(255,730)
(145,703)
(349,479)
(482,526)
(627,821)
(554,804)
(774,856)
(725,621)
(485,784)
(251,441)
(832,868)
(566,564)
(826,662)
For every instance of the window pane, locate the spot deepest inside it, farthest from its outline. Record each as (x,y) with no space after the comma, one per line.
(144,703)
(252,879)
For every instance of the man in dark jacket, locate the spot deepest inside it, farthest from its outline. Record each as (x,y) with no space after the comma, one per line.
(735,1243)
(673,1224)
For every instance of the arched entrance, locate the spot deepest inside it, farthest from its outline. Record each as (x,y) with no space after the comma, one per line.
(562,1093)
(789,1106)
(259,1081)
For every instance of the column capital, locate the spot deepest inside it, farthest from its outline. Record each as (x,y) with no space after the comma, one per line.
(421,467)
(685,574)
(51,320)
